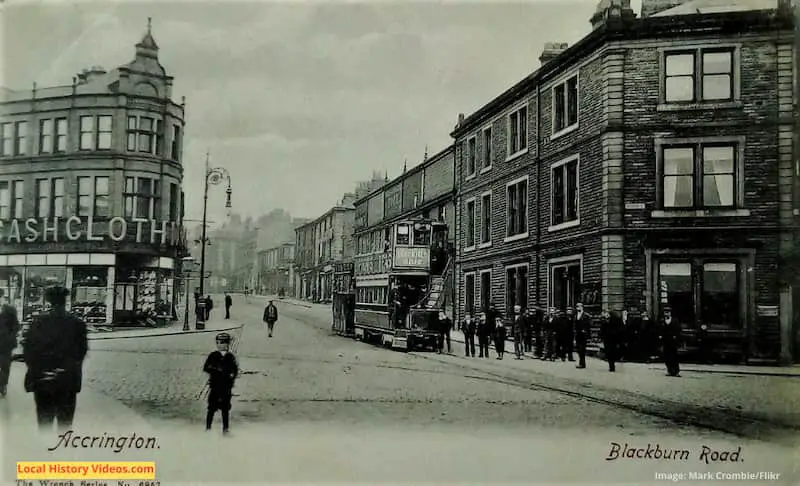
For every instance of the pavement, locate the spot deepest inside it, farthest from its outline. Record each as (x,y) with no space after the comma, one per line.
(458,336)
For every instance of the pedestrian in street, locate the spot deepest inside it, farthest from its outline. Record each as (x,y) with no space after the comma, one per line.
(583,327)
(270,317)
(484,336)
(9,328)
(611,330)
(469,328)
(222,370)
(209,307)
(54,349)
(527,330)
(228,304)
(517,324)
(670,338)
(569,334)
(538,338)
(445,327)
(500,337)
(550,329)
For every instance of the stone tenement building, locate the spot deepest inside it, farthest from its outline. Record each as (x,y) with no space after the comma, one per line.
(90,191)
(276,270)
(651,163)
(333,243)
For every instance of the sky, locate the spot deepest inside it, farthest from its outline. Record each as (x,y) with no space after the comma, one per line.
(299,100)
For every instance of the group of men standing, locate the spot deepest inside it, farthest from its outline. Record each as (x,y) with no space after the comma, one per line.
(560,335)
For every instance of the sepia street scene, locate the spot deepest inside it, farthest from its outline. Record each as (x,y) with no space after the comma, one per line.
(400,242)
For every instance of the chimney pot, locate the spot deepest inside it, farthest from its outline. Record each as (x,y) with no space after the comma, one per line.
(551,51)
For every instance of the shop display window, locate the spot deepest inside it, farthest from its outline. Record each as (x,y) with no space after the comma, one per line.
(37,279)
(89,292)
(11,286)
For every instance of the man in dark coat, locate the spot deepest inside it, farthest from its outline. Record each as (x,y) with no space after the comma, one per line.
(583,326)
(469,328)
(670,337)
(445,327)
(611,330)
(536,330)
(270,317)
(527,330)
(518,330)
(222,370)
(54,349)
(209,307)
(9,328)
(228,304)
(550,329)
(484,336)
(568,328)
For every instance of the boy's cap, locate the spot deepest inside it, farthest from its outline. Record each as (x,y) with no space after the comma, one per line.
(223,337)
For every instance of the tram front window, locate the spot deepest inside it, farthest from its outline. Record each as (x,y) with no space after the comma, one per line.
(422,235)
(403,237)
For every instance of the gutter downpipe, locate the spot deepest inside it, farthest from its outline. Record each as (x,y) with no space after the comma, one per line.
(537,244)
(456,241)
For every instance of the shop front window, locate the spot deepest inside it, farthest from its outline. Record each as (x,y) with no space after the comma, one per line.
(11,286)
(707,291)
(676,289)
(38,279)
(89,291)
(720,294)
(147,292)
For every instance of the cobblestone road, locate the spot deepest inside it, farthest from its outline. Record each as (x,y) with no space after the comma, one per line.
(312,406)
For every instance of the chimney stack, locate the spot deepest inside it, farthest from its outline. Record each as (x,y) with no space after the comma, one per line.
(551,51)
(652,7)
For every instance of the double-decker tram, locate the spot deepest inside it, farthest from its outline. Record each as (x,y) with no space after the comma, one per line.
(399,279)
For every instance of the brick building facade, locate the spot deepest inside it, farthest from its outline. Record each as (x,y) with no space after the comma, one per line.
(650,163)
(90,192)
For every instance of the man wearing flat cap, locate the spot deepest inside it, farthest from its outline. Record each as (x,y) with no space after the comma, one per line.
(670,341)
(55,346)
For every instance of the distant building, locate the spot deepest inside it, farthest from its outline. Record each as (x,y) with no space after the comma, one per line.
(306,249)
(333,243)
(90,192)
(649,164)
(277,270)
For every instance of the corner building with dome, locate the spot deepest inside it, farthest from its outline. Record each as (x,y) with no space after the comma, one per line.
(91,192)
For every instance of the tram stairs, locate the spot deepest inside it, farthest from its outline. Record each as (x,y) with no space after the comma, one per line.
(439,291)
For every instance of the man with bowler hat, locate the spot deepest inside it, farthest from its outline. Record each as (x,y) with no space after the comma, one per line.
(54,349)
(670,337)
(583,329)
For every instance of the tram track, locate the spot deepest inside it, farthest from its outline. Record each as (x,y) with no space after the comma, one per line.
(722,420)
(740,424)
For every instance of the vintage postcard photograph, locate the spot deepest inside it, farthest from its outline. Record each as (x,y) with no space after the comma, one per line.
(539,242)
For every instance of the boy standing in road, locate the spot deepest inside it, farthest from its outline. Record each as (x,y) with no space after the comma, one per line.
(222,370)
(270,317)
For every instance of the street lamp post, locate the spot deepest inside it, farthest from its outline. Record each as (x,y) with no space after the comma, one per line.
(187,276)
(213,176)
